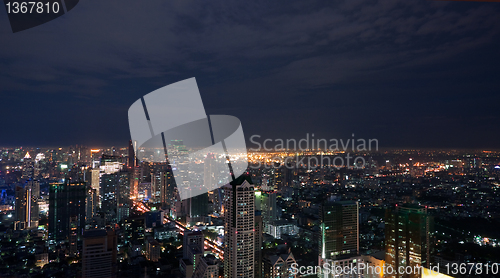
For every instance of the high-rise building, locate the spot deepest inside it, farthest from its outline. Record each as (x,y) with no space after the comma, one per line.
(258,243)
(94,180)
(26,212)
(66,211)
(109,195)
(290,174)
(123,195)
(290,181)
(178,157)
(83,154)
(168,189)
(191,239)
(192,250)
(99,254)
(277,177)
(160,177)
(131,155)
(76,174)
(28,167)
(157,180)
(110,164)
(239,228)
(207,268)
(153,250)
(115,195)
(408,233)
(198,209)
(211,180)
(339,230)
(134,181)
(34,185)
(266,202)
(91,203)
(40,164)
(278,265)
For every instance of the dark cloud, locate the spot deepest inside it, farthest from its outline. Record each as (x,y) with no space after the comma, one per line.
(394,70)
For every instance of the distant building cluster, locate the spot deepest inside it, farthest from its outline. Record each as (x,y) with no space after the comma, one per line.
(113,212)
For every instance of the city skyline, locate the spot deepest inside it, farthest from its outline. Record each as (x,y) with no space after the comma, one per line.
(250,139)
(424,74)
(399,209)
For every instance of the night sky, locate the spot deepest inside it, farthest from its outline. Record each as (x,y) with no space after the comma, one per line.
(409,73)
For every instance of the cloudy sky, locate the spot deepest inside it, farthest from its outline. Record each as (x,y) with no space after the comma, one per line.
(409,73)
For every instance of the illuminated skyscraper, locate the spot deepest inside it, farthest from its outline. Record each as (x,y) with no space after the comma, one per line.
(266,202)
(258,243)
(290,174)
(198,208)
(168,188)
(34,185)
(207,268)
(66,211)
(192,238)
(99,254)
(153,250)
(192,252)
(277,177)
(28,167)
(210,181)
(131,155)
(91,203)
(123,201)
(159,177)
(26,208)
(239,228)
(94,179)
(408,231)
(134,182)
(339,230)
(109,195)
(110,164)
(115,195)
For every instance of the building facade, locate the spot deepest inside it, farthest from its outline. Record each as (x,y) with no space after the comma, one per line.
(239,228)
(99,254)
(408,233)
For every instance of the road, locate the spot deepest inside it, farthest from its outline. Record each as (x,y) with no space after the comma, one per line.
(209,244)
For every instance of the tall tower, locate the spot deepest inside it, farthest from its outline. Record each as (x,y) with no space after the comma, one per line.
(167,188)
(94,180)
(239,228)
(99,254)
(408,232)
(266,202)
(158,181)
(210,180)
(192,238)
(258,243)
(109,195)
(339,230)
(28,167)
(123,195)
(26,208)
(198,208)
(34,185)
(66,211)
(192,252)
(91,203)
(131,155)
